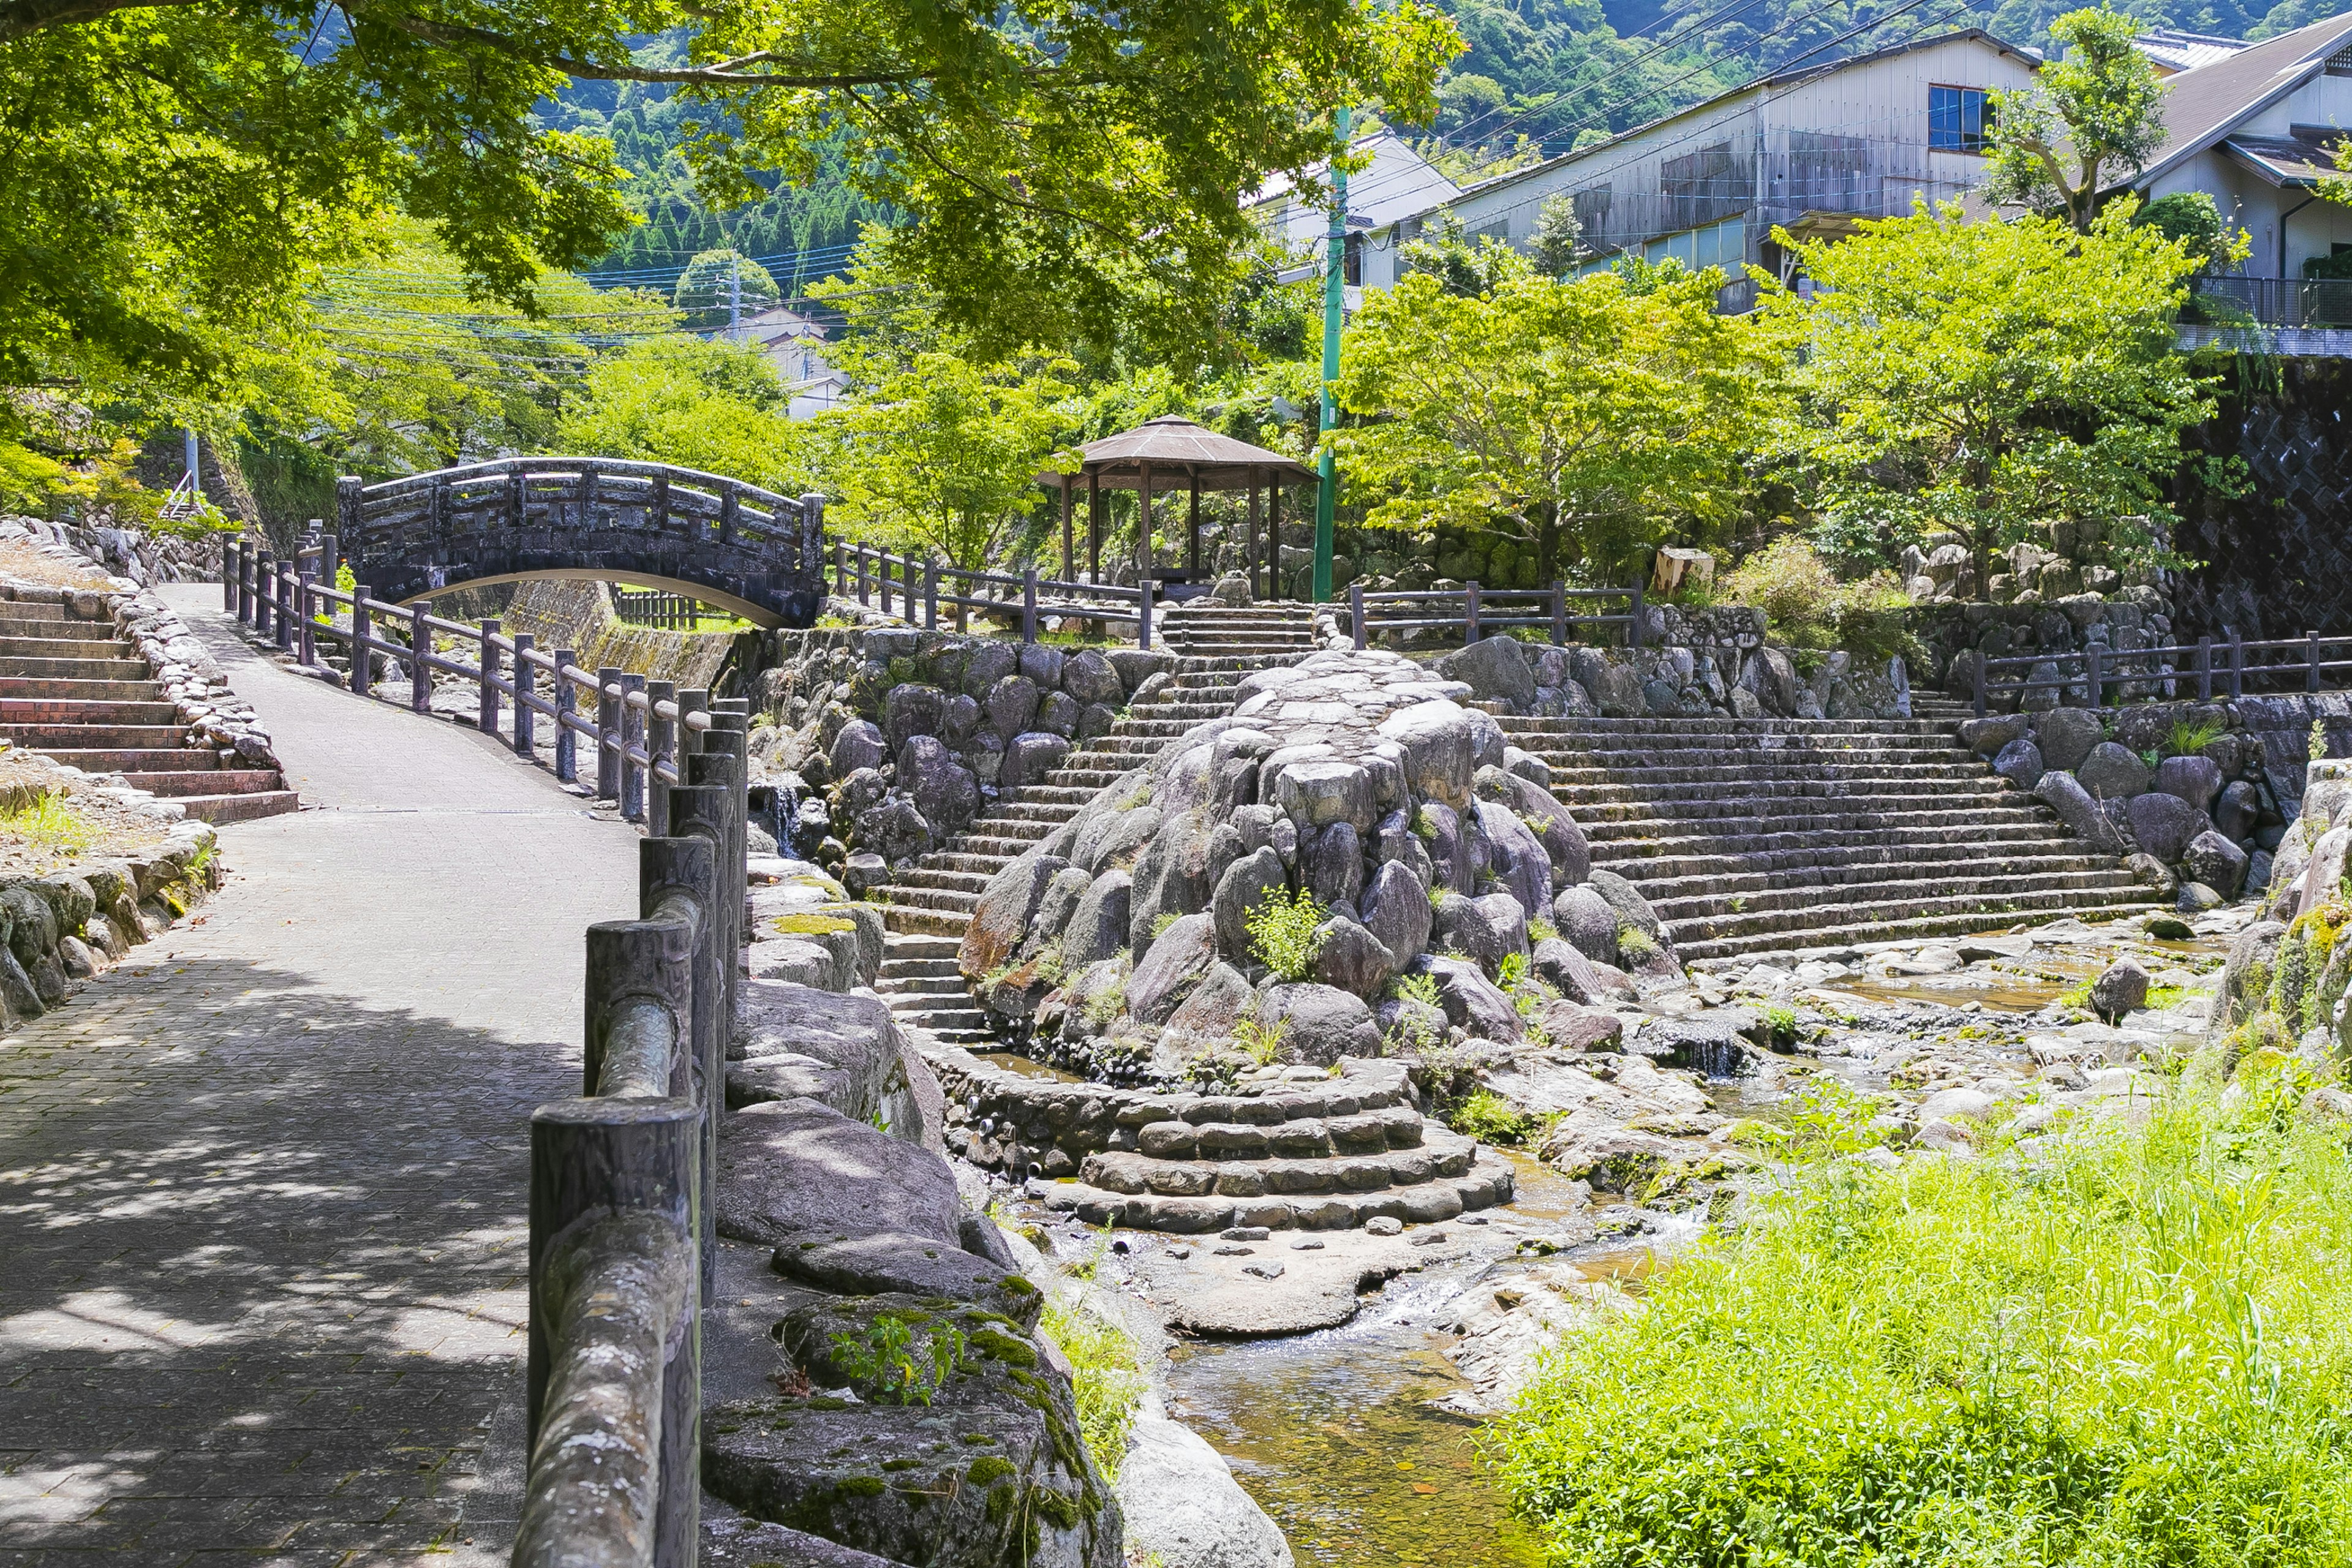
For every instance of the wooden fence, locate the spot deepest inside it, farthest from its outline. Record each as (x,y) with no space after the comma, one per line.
(2114,678)
(1478,612)
(925,585)
(662,610)
(637,729)
(623,1248)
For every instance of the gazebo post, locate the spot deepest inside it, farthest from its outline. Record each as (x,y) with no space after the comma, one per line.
(1273,541)
(1094,525)
(1068,571)
(1143,522)
(1192,531)
(1249,550)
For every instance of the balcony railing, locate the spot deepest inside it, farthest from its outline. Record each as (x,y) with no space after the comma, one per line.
(2227,302)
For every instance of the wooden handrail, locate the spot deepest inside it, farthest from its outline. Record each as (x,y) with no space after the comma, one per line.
(1474,620)
(2097,665)
(880,573)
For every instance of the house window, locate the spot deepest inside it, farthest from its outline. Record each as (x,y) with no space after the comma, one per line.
(1956,119)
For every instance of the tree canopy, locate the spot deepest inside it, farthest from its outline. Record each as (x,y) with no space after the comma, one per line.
(1586,416)
(1982,378)
(2092,117)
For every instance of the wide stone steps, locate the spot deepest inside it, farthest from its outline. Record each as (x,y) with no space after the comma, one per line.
(1750,837)
(1873,922)
(78,692)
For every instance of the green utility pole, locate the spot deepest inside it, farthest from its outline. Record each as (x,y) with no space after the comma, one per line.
(1335,299)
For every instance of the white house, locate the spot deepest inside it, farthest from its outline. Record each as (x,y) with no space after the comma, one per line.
(1398,181)
(795,346)
(2256,130)
(1809,148)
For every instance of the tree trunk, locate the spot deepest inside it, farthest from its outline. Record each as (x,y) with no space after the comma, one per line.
(1548,543)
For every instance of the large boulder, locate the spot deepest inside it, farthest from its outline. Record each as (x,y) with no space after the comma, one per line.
(2235,813)
(2164,825)
(1471,1000)
(1632,908)
(1173,874)
(1514,855)
(2196,780)
(1244,885)
(1031,755)
(859,745)
(2065,796)
(1214,1006)
(1319,1023)
(1097,927)
(1001,921)
(943,789)
(1351,958)
(840,1047)
(1495,670)
(1331,865)
(2121,988)
(2216,862)
(1089,678)
(2111,772)
(2020,763)
(2066,735)
(1184,1509)
(2245,987)
(1440,750)
(1586,919)
(1173,963)
(1561,966)
(1395,909)
(1489,929)
(789,1169)
(1563,840)
(1987,737)
(910,708)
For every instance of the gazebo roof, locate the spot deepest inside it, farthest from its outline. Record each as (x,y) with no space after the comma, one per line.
(1179,454)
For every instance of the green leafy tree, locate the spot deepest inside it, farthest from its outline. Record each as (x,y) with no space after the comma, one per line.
(1982,378)
(178,175)
(1582,417)
(2190,220)
(2092,118)
(944,454)
(1559,237)
(715,406)
(722,286)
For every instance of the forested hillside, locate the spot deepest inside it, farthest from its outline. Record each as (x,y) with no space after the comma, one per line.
(1538,76)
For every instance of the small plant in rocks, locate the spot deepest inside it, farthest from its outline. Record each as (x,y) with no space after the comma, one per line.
(1489,1118)
(1282,931)
(886,1359)
(1262,1043)
(1634,944)
(1421,988)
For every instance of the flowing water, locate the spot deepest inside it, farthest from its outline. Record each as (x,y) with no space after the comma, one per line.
(1334,1434)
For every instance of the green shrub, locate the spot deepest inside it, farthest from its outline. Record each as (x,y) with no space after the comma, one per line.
(1490,1119)
(51,823)
(1282,931)
(2319,740)
(2130,1349)
(893,1366)
(1161,921)
(1421,988)
(2186,738)
(1806,605)
(1512,973)
(1106,1375)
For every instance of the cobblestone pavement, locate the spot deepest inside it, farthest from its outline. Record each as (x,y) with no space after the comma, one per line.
(262,1188)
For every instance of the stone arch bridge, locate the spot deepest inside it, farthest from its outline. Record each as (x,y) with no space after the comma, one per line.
(750,550)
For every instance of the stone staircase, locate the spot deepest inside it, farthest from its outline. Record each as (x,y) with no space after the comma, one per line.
(1761,836)
(931,902)
(75,691)
(1209,629)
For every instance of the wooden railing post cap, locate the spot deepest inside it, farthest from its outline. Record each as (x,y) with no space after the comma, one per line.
(613,1111)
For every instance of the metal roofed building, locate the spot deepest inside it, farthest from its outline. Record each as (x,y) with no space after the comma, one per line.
(1811,147)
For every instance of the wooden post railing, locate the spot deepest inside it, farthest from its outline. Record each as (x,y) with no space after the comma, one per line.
(1477,611)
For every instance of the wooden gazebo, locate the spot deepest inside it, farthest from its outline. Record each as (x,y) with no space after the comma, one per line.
(1172,453)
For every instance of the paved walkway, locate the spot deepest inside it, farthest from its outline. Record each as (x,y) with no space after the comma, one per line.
(262,1189)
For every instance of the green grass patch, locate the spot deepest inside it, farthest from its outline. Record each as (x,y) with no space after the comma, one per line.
(50,822)
(1106,1378)
(1489,1118)
(811,923)
(2132,1348)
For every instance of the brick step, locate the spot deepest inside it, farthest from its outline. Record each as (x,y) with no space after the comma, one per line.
(103,737)
(137,760)
(193,781)
(16,626)
(1907,928)
(49,671)
(76,712)
(219,808)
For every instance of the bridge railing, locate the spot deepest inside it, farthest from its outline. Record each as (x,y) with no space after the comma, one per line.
(503,490)
(623,1245)
(659,608)
(920,587)
(639,731)
(1478,612)
(2112,677)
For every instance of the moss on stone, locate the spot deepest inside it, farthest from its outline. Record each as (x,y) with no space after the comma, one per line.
(989,1468)
(826,1402)
(812,922)
(892,1464)
(1002,1499)
(1004,1348)
(1061,1508)
(978,1438)
(860,1486)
